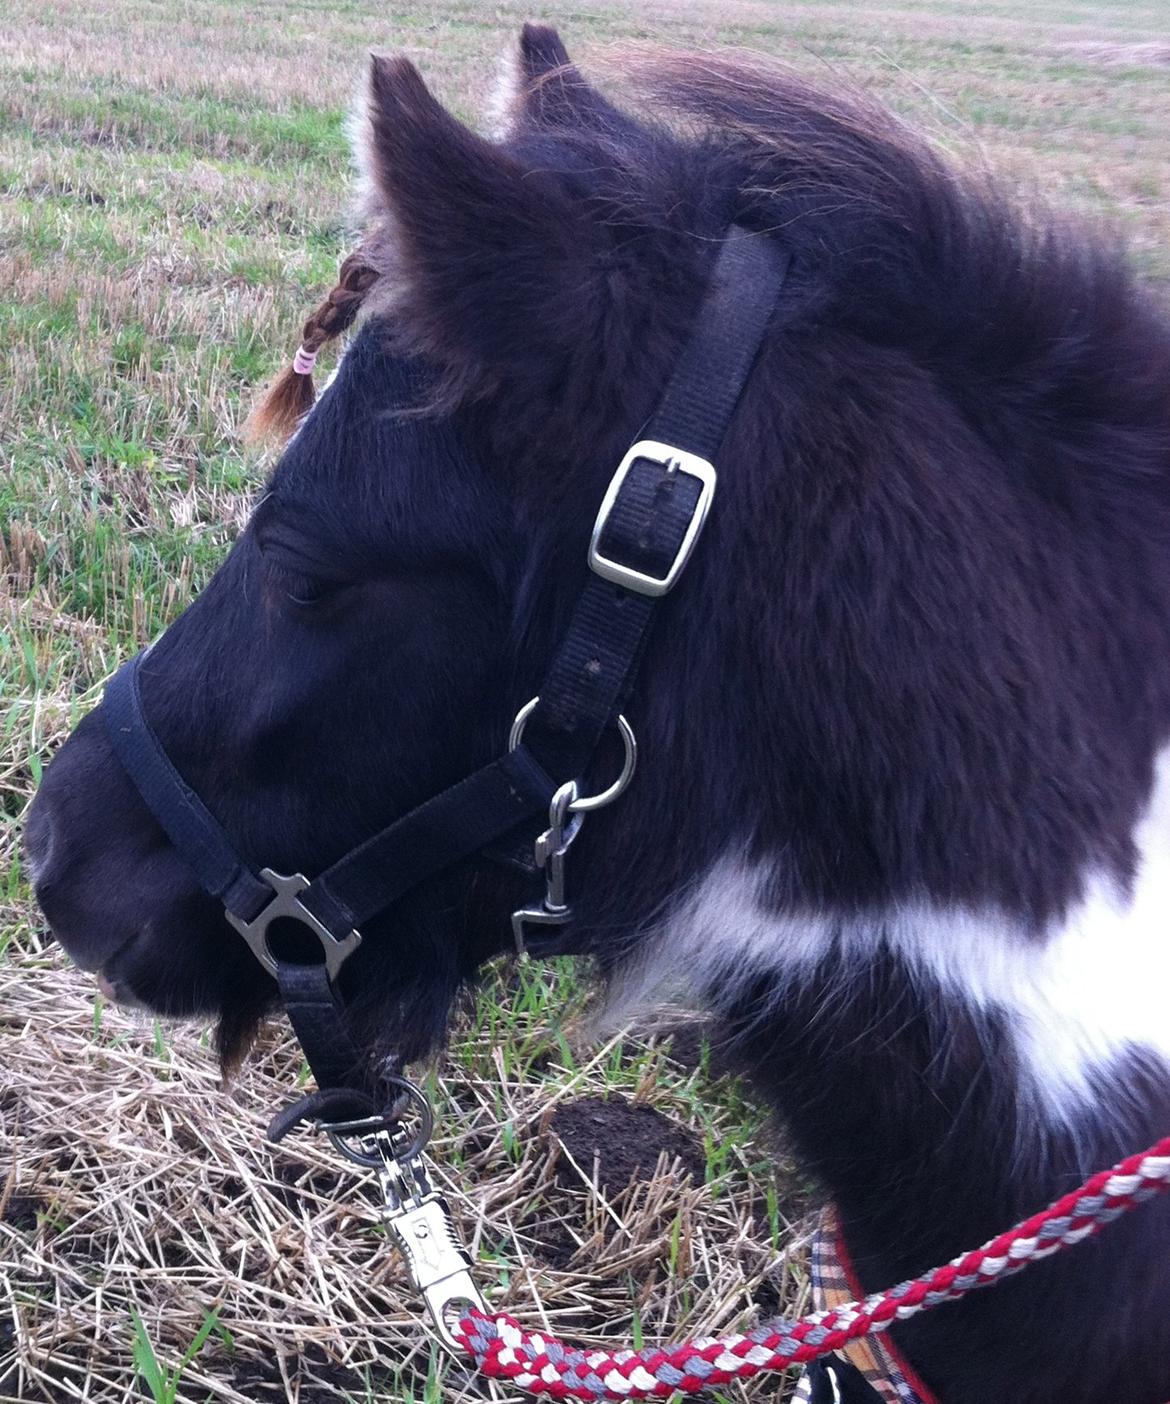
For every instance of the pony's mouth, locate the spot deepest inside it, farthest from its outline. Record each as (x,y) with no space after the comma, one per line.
(117,994)
(113,987)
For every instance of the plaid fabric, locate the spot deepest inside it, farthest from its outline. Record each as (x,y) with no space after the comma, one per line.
(870,1356)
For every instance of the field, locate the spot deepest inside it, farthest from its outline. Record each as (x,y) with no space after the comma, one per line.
(173,184)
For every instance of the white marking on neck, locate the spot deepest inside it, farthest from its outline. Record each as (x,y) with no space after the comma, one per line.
(1074,998)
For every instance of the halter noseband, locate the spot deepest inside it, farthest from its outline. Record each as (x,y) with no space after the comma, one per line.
(646,529)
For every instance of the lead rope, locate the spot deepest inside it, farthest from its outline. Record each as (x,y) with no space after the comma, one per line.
(539,1364)
(419,1222)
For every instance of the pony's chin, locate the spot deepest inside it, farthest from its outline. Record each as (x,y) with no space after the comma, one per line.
(236,1029)
(118,994)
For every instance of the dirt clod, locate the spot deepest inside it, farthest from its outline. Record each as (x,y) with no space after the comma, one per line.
(615,1141)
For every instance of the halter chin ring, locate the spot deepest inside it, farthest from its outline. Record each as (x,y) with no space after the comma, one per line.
(585,804)
(372,1140)
(286,903)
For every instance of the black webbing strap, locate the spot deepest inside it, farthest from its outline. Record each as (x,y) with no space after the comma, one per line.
(328,1104)
(708,380)
(317,1016)
(185,819)
(438,833)
(649,519)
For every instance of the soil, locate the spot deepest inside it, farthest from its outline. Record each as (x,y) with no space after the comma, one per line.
(21,1211)
(325,1382)
(619,1141)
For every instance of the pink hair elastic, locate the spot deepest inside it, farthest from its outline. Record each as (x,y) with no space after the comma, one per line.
(304,361)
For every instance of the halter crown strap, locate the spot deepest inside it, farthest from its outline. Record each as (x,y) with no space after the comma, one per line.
(656,498)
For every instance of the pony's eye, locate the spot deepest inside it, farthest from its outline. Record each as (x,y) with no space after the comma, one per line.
(310,592)
(297,587)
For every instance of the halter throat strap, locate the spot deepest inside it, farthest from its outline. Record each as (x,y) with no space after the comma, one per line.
(647,527)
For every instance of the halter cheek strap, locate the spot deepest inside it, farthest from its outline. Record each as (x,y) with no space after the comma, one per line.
(646,529)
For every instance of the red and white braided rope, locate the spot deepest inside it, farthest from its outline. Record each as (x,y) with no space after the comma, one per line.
(539,1364)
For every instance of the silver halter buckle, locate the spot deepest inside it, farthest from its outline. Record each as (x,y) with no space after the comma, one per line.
(672,461)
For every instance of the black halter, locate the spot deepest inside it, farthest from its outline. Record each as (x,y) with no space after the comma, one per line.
(646,529)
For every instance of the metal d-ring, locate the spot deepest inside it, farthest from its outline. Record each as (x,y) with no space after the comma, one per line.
(585,804)
(357,1139)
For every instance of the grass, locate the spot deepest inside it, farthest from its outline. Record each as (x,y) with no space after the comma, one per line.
(173,180)
(162,1383)
(148,1201)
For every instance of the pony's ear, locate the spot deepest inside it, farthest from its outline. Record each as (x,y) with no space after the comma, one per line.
(543,89)
(488,257)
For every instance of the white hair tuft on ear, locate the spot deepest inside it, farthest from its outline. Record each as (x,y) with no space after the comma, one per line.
(359,130)
(499,118)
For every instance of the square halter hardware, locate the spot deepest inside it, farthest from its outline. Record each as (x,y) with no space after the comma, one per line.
(286,904)
(672,461)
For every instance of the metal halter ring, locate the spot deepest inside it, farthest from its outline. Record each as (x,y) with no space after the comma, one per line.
(356,1139)
(585,804)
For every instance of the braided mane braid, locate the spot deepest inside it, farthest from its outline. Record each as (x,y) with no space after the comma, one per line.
(292,394)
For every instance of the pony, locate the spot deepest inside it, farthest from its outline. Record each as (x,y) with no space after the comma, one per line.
(902,817)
